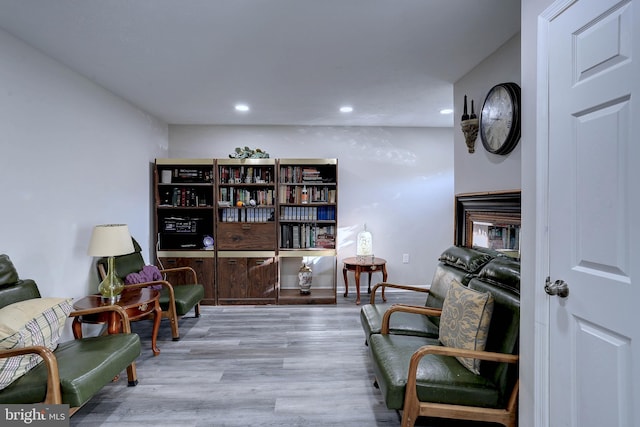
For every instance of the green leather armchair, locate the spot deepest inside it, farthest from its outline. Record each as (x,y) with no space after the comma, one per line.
(75,370)
(175,300)
(455,263)
(421,377)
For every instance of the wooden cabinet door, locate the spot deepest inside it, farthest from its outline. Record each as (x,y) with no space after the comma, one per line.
(205,270)
(232,280)
(247,280)
(262,278)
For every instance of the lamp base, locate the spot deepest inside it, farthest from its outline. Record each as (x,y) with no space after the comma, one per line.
(112,286)
(110,300)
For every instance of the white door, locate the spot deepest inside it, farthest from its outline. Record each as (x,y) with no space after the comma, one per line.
(594,213)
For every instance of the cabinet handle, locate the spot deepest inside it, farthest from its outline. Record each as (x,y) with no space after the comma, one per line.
(171,261)
(260,262)
(232,261)
(246,226)
(199,261)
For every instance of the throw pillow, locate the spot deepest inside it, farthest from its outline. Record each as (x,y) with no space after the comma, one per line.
(465,320)
(37,321)
(149,273)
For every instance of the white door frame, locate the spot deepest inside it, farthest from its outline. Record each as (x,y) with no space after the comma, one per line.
(542,381)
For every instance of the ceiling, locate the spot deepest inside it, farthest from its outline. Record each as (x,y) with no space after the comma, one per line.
(294,62)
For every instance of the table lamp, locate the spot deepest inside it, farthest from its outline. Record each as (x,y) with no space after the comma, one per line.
(364,247)
(110,240)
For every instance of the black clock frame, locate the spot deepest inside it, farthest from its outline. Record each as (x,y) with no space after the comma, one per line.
(513,90)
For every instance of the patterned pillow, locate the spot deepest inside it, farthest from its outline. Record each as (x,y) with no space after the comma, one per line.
(37,321)
(465,320)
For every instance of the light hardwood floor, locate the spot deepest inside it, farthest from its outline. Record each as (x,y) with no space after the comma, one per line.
(256,366)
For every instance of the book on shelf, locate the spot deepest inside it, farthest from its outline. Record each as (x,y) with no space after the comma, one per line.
(246,215)
(244,175)
(307,236)
(307,213)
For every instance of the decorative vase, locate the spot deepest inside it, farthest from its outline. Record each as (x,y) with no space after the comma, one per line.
(305,275)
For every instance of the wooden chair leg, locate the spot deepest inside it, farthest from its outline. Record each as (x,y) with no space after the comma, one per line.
(410,414)
(411,407)
(175,331)
(132,375)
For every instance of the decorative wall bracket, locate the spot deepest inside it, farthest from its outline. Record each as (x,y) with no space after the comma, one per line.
(470,131)
(469,125)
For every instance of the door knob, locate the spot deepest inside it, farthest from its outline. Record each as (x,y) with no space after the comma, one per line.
(559,287)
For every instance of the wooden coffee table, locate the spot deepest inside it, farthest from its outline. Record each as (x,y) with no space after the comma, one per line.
(138,303)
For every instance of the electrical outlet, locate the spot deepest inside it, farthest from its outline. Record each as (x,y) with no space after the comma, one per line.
(405,258)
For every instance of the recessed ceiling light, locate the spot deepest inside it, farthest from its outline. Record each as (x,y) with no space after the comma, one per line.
(242,107)
(346,109)
(446,111)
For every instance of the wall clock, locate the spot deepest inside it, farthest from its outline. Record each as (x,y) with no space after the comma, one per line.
(500,119)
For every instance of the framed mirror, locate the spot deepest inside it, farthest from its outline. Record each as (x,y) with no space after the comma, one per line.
(489,220)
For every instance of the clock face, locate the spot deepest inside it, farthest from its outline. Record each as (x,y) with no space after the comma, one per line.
(500,119)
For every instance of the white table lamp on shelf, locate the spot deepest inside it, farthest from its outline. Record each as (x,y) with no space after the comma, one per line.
(110,240)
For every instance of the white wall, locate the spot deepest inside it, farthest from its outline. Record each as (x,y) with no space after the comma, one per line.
(72,156)
(399,181)
(483,171)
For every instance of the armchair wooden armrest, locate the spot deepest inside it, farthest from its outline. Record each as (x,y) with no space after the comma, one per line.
(415,309)
(54,394)
(413,408)
(384,285)
(166,285)
(126,325)
(175,270)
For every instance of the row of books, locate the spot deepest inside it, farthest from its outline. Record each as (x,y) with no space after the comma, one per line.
(302,174)
(184,197)
(293,194)
(307,236)
(245,175)
(247,215)
(307,213)
(261,197)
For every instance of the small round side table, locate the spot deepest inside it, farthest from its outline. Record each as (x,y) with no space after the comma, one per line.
(352,264)
(138,303)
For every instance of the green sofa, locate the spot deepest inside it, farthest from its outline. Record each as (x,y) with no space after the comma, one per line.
(70,372)
(420,376)
(455,263)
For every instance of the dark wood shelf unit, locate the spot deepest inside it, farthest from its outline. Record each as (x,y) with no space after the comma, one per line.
(184,197)
(246,206)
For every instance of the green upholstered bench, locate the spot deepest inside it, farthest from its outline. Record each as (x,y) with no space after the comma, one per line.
(421,376)
(455,263)
(69,372)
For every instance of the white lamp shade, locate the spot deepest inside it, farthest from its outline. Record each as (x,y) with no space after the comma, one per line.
(110,240)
